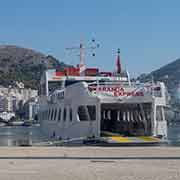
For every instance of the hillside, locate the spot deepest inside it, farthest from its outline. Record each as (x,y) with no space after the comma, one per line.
(170,74)
(25,65)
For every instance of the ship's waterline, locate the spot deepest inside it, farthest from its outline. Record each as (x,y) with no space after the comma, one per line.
(25,136)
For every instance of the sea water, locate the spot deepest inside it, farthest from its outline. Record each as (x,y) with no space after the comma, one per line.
(29,136)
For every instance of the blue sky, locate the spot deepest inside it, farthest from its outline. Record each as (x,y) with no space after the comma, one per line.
(147,31)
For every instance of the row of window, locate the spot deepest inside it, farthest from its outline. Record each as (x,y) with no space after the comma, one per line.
(55,114)
(125,115)
(84,113)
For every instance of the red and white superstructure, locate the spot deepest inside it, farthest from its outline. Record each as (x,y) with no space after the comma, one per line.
(83,102)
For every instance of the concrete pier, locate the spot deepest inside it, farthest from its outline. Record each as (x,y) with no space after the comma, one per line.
(126,163)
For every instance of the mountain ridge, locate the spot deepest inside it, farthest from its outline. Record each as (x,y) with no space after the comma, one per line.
(169,73)
(25,65)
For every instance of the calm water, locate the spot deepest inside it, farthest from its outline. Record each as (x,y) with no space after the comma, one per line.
(16,136)
(20,135)
(174,134)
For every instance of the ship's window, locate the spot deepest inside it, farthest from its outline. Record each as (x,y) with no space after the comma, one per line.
(59,115)
(68,83)
(54,86)
(64,114)
(49,114)
(52,113)
(71,82)
(55,113)
(92,112)
(70,114)
(83,113)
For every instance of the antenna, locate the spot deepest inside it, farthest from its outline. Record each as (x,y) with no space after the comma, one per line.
(82,48)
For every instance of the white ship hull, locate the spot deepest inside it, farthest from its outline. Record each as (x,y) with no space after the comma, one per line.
(77,111)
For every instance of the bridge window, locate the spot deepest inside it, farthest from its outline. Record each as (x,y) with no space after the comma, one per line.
(54,86)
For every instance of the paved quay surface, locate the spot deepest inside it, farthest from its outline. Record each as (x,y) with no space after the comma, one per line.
(116,163)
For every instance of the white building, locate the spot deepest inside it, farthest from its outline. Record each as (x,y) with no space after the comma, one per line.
(12,97)
(31,108)
(6,116)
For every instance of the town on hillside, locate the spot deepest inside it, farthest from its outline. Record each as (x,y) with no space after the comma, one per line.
(18,104)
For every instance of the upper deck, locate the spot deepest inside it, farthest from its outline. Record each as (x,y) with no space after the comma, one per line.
(55,80)
(106,86)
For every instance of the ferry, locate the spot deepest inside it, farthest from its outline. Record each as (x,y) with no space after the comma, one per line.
(82,103)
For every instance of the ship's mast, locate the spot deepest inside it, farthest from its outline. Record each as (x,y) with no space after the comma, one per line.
(82,48)
(118,63)
(81,54)
(82,65)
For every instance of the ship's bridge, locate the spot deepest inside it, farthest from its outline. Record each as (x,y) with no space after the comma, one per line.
(56,80)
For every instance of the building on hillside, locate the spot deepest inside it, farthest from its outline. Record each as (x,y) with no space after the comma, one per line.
(31,108)
(12,99)
(6,116)
(2,103)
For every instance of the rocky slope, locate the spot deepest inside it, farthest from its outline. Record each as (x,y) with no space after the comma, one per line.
(25,65)
(170,74)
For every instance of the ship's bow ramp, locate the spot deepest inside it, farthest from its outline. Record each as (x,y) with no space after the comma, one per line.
(126,119)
